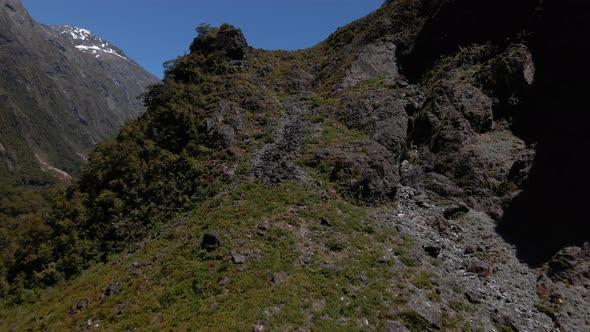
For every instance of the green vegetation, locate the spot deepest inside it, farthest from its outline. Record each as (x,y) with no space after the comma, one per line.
(462,65)
(140,208)
(21,231)
(171,282)
(164,163)
(424,280)
(317,101)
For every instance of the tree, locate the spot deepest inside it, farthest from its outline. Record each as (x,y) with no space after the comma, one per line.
(203,29)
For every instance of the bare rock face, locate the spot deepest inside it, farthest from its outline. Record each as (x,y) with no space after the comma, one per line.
(571,265)
(375,60)
(382,116)
(364,169)
(453,113)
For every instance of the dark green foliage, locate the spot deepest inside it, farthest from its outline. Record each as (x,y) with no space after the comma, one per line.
(226,39)
(159,165)
(23,235)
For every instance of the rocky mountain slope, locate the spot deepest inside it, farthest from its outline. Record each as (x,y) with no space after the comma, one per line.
(62,89)
(419,170)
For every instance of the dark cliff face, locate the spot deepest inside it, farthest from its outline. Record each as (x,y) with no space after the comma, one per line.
(550,213)
(535,90)
(550,113)
(57,97)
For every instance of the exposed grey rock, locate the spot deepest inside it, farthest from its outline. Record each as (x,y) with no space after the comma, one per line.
(509,77)
(306,259)
(219,134)
(470,250)
(431,315)
(225,282)
(441,124)
(480,268)
(233,42)
(258,327)
(506,321)
(279,278)
(273,162)
(298,79)
(237,258)
(473,297)
(571,265)
(113,289)
(393,326)
(374,60)
(455,212)
(363,323)
(513,287)
(263,228)
(381,115)
(364,169)
(81,305)
(475,106)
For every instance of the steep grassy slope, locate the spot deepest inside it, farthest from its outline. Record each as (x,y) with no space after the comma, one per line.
(350,186)
(298,270)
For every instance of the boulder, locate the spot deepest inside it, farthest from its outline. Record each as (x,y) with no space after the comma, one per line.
(258,327)
(237,258)
(211,241)
(480,268)
(393,326)
(455,212)
(364,170)
(474,297)
(279,278)
(263,228)
(113,289)
(81,305)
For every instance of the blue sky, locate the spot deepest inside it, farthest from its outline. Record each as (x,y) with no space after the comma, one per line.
(154,31)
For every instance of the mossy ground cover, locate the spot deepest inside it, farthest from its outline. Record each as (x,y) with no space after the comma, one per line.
(172,284)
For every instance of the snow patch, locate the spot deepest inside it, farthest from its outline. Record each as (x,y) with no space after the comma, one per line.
(83,36)
(95,48)
(77,33)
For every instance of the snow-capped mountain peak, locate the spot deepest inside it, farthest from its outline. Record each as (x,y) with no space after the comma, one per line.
(87,42)
(76,33)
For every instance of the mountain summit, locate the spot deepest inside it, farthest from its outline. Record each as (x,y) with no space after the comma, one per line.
(87,42)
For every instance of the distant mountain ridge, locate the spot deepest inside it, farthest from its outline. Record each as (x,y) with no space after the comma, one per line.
(86,41)
(62,90)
